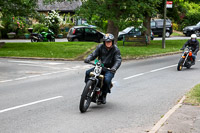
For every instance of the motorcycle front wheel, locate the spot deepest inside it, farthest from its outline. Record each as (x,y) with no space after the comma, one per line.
(86,96)
(180,64)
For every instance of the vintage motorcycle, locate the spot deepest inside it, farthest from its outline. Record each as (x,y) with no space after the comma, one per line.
(43,37)
(92,90)
(186,59)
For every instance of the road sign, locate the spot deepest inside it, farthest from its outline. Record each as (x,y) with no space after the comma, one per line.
(169,4)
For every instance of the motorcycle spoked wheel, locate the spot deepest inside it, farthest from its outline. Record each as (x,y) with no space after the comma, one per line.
(86,97)
(33,40)
(180,64)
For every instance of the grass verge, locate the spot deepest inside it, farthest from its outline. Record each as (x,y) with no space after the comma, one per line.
(193,96)
(155,48)
(78,50)
(66,50)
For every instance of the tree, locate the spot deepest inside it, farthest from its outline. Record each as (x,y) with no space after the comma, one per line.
(119,13)
(17,7)
(149,10)
(13,13)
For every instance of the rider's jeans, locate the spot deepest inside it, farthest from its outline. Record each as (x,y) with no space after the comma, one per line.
(193,56)
(107,79)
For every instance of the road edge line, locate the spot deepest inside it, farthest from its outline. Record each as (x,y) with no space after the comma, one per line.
(166,116)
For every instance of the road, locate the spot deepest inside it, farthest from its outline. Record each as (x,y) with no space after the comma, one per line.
(43,96)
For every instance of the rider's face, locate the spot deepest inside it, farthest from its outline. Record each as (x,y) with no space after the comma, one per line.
(108,44)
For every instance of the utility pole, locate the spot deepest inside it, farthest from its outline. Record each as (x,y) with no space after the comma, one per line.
(164,25)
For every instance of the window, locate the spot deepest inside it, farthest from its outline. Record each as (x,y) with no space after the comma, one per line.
(79,30)
(90,31)
(153,24)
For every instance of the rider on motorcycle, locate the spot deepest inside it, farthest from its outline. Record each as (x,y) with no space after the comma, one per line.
(194,44)
(110,56)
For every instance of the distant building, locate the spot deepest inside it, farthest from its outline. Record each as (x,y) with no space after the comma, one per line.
(63,7)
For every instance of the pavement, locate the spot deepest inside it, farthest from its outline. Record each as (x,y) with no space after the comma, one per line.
(184,119)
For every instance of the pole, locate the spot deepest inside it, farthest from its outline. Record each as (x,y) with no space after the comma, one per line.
(164,25)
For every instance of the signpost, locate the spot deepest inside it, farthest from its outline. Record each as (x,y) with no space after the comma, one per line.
(168,4)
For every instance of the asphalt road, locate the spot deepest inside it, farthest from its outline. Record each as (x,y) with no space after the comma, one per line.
(43,96)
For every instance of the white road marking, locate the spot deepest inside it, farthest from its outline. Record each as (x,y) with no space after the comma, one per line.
(166,116)
(155,70)
(30,62)
(38,66)
(33,76)
(22,62)
(6,81)
(137,75)
(28,104)
(76,67)
(54,63)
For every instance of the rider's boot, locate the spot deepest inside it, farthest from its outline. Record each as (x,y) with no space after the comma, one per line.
(104,98)
(193,62)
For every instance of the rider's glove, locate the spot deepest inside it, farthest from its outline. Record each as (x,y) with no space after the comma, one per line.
(86,60)
(112,70)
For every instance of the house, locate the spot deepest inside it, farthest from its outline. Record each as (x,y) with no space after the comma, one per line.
(63,7)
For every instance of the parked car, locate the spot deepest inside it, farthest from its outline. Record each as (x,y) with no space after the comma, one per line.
(84,33)
(194,29)
(157,27)
(131,31)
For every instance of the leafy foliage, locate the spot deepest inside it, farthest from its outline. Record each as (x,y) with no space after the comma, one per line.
(18,7)
(53,21)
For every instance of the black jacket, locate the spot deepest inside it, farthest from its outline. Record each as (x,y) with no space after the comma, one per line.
(193,45)
(110,58)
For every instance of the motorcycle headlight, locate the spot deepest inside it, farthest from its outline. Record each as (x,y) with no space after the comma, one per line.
(97,71)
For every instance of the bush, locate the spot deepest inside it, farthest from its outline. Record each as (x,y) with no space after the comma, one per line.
(53,21)
(38,28)
(175,26)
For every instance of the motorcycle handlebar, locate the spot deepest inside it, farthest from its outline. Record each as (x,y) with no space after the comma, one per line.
(95,65)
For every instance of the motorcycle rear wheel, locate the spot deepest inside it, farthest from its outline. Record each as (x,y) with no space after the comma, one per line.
(180,64)
(86,97)
(33,40)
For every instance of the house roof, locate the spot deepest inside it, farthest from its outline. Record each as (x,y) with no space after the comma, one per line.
(65,6)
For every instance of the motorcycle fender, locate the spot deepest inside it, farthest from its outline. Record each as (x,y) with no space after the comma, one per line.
(92,78)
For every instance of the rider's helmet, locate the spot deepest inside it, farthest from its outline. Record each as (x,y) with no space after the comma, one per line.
(108,37)
(193,37)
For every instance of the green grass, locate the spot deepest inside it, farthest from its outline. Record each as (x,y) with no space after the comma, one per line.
(193,96)
(75,50)
(130,51)
(68,50)
(177,34)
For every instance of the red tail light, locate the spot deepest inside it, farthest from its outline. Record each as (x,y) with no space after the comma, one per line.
(74,31)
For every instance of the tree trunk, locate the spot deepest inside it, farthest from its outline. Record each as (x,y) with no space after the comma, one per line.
(113,30)
(147,25)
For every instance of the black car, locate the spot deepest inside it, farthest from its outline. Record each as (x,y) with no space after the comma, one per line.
(157,27)
(131,31)
(84,33)
(189,30)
